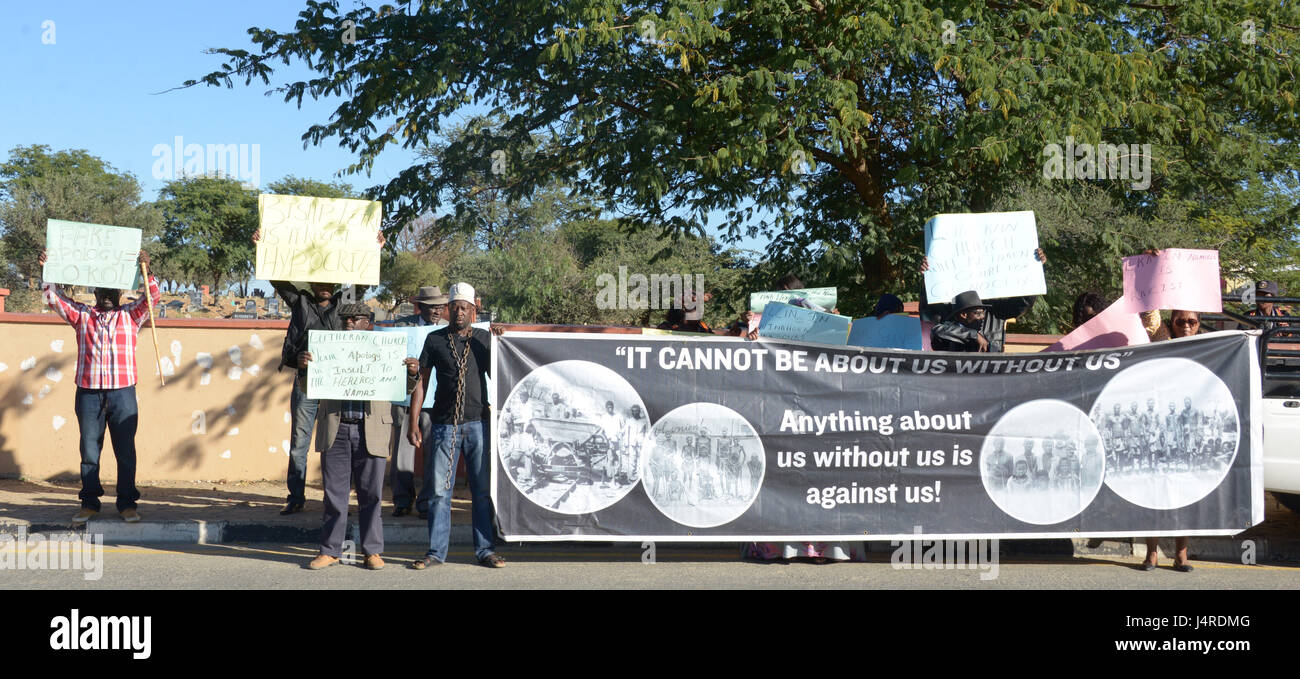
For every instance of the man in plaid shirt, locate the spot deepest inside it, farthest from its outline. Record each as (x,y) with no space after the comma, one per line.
(106,376)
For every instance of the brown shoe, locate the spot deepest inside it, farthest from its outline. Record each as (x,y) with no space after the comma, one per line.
(374,563)
(130,516)
(84,515)
(322,561)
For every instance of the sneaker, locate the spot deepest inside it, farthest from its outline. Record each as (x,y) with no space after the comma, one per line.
(374,563)
(322,561)
(84,515)
(130,516)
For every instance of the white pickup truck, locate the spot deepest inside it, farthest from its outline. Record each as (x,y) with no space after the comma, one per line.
(1280,355)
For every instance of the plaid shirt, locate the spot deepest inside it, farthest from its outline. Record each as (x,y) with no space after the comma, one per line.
(106,342)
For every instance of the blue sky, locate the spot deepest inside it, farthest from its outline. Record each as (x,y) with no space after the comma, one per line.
(102,86)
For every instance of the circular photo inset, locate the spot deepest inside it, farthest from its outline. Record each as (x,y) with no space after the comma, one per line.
(571,437)
(1170,431)
(1042,462)
(705,466)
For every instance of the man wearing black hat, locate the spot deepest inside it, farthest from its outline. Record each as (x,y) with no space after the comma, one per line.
(972,325)
(430,309)
(1264,291)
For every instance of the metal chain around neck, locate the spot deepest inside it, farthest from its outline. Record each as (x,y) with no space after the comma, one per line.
(458,410)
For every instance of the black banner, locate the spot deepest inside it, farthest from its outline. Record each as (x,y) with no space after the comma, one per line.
(608,437)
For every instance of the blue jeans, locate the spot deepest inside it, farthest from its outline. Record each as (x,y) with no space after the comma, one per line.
(471,440)
(116,409)
(303,417)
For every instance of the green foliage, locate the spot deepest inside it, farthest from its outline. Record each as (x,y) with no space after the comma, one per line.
(37,185)
(836,129)
(298,186)
(208,227)
(402,276)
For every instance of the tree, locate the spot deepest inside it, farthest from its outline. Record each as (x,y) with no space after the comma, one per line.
(37,185)
(834,128)
(298,186)
(403,276)
(208,227)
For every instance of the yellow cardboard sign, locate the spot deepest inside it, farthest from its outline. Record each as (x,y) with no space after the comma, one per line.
(318,240)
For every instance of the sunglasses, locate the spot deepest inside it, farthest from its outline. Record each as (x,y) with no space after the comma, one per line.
(1187,321)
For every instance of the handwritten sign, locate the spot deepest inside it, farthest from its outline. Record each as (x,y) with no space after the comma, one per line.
(783,321)
(894,331)
(991,253)
(415,337)
(1113,327)
(822,297)
(360,366)
(94,255)
(1175,279)
(321,240)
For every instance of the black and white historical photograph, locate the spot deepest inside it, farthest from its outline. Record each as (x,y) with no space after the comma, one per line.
(1169,427)
(1042,463)
(572,435)
(706,465)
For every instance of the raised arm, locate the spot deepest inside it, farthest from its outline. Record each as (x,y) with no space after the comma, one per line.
(283,288)
(67,309)
(139,309)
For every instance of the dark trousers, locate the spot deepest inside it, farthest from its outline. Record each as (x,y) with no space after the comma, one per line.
(116,409)
(402,476)
(303,416)
(345,462)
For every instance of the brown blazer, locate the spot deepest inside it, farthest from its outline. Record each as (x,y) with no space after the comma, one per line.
(378,427)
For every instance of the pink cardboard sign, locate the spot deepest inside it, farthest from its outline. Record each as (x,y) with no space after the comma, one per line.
(1113,327)
(1175,279)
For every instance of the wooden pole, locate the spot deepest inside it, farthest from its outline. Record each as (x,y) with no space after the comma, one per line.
(148,298)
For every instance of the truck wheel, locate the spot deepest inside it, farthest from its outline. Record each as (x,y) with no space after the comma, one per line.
(1289,500)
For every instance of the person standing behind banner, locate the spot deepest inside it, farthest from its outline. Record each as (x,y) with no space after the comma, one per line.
(315,309)
(353,439)
(430,307)
(460,355)
(1182,324)
(1264,307)
(107,336)
(970,325)
(1086,306)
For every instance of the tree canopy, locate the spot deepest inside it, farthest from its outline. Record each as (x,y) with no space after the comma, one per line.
(836,129)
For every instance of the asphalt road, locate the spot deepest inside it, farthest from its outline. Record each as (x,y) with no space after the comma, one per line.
(261,566)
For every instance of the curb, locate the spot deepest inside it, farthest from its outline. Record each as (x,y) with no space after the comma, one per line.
(1227,549)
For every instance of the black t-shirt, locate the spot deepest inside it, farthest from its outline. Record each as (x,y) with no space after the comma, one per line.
(437,358)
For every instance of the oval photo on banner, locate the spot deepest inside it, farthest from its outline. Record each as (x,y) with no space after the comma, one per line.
(1042,462)
(1170,431)
(571,437)
(706,465)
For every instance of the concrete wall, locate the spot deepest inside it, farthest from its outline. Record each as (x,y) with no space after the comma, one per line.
(230,421)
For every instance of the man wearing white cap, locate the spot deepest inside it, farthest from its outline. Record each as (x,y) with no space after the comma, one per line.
(455,360)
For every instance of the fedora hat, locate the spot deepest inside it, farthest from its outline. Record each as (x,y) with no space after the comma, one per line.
(967,300)
(430,294)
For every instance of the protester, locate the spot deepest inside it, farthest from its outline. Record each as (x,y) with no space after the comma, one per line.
(430,306)
(1181,324)
(1264,306)
(1088,305)
(970,325)
(354,441)
(676,321)
(455,361)
(887,304)
(314,309)
(106,375)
